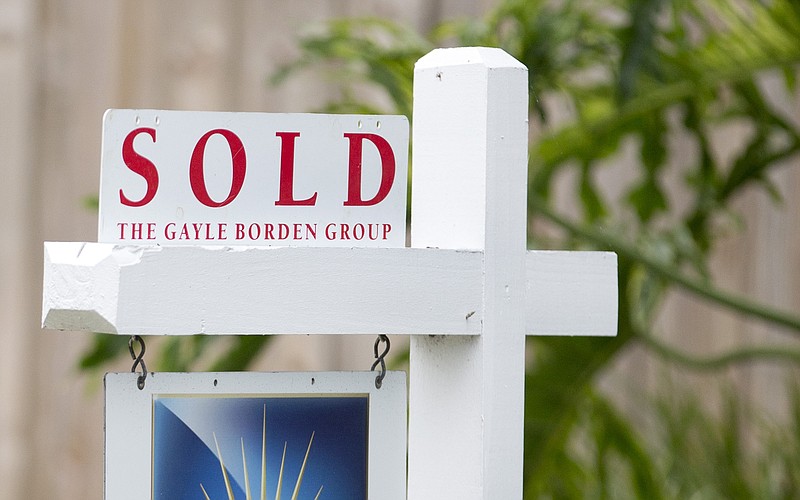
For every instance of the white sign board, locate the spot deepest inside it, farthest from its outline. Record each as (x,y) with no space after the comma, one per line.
(194,178)
(256,435)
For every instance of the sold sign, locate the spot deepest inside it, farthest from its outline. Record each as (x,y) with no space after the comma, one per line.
(176,178)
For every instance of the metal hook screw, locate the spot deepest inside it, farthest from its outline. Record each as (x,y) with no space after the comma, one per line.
(138,360)
(380,359)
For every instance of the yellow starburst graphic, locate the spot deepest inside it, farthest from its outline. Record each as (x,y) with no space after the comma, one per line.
(263,489)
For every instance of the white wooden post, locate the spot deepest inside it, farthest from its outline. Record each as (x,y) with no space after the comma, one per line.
(466,395)
(468,292)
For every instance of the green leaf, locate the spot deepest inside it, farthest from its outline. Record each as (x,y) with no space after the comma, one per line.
(179,353)
(102,350)
(593,207)
(638,43)
(790,78)
(91,202)
(243,351)
(616,434)
(647,199)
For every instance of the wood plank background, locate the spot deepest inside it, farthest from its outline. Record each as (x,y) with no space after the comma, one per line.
(62,63)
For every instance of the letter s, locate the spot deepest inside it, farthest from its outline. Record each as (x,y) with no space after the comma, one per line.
(140,165)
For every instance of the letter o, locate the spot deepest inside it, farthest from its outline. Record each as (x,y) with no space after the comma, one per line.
(197,174)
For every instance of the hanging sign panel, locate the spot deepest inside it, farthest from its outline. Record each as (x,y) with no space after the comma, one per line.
(214,178)
(255,435)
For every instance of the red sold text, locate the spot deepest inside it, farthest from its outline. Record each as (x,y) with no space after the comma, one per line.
(145,168)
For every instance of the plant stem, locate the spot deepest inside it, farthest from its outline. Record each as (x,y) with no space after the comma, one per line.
(720,361)
(669,272)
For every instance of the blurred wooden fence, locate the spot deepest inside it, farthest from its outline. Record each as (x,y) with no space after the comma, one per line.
(62,63)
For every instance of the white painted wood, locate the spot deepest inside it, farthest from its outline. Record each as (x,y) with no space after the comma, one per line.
(466,395)
(259,290)
(426,291)
(571,293)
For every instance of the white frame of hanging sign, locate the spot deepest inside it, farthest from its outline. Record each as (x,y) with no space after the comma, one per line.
(196,403)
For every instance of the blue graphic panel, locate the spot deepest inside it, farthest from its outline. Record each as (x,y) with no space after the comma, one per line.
(188,430)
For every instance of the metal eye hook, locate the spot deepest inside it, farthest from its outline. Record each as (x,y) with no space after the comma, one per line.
(380,359)
(138,360)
